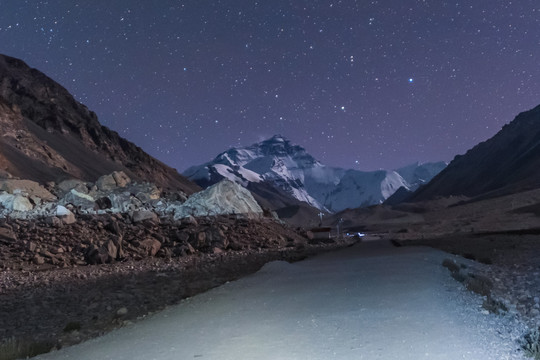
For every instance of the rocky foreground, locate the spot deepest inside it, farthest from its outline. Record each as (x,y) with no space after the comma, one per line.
(62,284)
(79,258)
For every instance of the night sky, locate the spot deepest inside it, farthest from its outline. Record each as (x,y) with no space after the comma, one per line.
(359,84)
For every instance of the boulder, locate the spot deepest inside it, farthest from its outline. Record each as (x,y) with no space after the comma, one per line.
(21,203)
(27,187)
(111,249)
(65,215)
(139,216)
(6,201)
(106,183)
(68,185)
(107,253)
(104,203)
(114,228)
(7,236)
(150,246)
(124,202)
(38,260)
(94,255)
(121,178)
(225,197)
(54,221)
(78,199)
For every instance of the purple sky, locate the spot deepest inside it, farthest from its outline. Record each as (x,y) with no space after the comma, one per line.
(359,84)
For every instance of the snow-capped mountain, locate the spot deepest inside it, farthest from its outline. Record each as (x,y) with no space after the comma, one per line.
(295,172)
(275,160)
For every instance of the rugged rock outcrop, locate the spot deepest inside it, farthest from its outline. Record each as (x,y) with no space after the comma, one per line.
(79,223)
(48,136)
(117,194)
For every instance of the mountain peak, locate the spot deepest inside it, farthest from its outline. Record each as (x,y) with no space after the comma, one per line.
(278,138)
(289,168)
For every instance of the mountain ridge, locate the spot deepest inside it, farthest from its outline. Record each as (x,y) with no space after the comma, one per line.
(506,163)
(50,136)
(293,170)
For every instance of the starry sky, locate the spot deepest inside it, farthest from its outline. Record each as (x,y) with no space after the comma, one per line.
(359,84)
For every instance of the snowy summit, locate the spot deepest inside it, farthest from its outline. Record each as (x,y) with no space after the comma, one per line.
(291,169)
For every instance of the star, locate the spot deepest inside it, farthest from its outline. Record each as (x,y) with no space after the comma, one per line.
(385,72)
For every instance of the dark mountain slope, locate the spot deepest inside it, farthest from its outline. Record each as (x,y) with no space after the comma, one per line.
(48,136)
(509,162)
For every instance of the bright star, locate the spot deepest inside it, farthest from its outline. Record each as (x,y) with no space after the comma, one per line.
(411,80)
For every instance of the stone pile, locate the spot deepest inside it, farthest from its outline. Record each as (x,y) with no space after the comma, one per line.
(116,193)
(100,239)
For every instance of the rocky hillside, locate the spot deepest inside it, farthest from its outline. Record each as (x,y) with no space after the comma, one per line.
(79,223)
(48,136)
(506,163)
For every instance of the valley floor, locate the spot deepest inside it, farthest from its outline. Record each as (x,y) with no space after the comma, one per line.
(510,260)
(54,308)
(371,301)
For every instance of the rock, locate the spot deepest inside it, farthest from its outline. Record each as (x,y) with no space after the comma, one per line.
(114,228)
(139,216)
(65,215)
(150,245)
(7,236)
(104,203)
(121,201)
(189,220)
(107,253)
(32,246)
(223,198)
(28,187)
(146,192)
(106,183)
(121,178)
(200,240)
(217,251)
(176,196)
(123,311)
(94,255)
(111,250)
(72,184)
(78,199)
(6,201)
(69,219)
(38,260)
(54,221)
(185,250)
(182,236)
(21,203)
(35,200)
(57,250)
